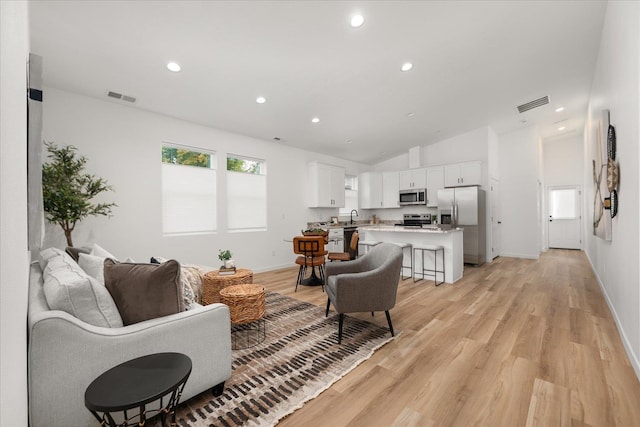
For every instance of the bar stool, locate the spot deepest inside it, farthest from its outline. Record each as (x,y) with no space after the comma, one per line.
(427,271)
(368,244)
(404,246)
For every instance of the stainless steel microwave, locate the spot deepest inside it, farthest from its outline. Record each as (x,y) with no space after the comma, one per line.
(416,196)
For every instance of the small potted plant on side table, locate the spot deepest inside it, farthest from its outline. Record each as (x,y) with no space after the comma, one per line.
(225,257)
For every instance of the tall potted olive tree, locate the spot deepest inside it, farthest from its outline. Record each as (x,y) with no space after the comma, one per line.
(67,190)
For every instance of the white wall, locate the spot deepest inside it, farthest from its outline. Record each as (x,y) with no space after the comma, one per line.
(560,167)
(123,146)
(616,88)
(519,206)
(473,145)
(468,146)
(14,255)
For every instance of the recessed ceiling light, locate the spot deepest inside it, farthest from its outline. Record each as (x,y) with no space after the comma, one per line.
(562,128)
(174,66)
(357,20)
(406,66)
(261,100)
(315,120)
(411,114)
(559,109)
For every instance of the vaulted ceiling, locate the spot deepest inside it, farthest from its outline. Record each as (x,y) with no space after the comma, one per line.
(473,62)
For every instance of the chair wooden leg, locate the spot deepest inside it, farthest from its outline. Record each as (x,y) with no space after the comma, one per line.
(340,321)
(389,321)
(326,313)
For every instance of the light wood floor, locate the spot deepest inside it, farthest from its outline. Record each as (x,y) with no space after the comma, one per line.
(514,343)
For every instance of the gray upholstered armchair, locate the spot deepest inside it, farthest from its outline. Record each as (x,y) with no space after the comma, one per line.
(365,284)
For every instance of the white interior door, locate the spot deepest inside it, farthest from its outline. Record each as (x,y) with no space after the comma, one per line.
(565,217)
(495,218)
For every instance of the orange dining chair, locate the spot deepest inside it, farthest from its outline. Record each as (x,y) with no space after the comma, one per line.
(311,251)
(346,256)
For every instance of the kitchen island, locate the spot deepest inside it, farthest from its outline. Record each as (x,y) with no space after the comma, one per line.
(451,240)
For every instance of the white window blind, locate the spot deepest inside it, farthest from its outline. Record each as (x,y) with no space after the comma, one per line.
(246,193)
(188,199)
(246,201)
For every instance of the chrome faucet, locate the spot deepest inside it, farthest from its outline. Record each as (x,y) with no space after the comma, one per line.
(352,211)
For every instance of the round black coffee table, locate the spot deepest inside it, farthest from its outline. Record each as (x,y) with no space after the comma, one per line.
(133,384)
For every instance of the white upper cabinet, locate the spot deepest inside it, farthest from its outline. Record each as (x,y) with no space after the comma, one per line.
(326,186)
(390,189)
(370,190)
(378,190)
(413,178)
(463,174)
(435,182)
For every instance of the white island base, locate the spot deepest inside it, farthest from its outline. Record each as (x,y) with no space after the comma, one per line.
(451,240)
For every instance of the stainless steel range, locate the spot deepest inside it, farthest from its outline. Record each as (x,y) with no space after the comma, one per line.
(416,220)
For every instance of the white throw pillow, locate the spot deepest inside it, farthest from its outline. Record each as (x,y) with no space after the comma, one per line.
(97,250)
(93,265)
(71,290)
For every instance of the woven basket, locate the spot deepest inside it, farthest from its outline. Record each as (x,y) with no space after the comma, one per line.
(213,283)
(246,302)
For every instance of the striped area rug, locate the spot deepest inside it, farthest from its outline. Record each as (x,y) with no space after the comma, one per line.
(298,360)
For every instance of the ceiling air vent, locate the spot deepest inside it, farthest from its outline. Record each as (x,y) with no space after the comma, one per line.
(116,95)
(533,104)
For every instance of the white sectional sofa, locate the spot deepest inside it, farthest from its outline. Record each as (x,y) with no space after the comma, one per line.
(66,354)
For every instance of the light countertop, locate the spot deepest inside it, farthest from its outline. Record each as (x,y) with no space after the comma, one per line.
(383,227)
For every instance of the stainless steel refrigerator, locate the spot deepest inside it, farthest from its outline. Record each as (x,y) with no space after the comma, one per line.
(464,207)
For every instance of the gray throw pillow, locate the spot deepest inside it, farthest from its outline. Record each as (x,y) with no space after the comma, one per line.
(144,291)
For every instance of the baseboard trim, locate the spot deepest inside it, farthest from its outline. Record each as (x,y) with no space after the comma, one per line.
(274,267)
(514,255)
(635,363)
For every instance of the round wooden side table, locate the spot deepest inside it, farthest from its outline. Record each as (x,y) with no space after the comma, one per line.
(247,307)
(213,282)
(132,385)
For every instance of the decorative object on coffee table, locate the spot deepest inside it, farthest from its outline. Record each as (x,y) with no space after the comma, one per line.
(225,257)
(214,281)
(246,309)
(134,384)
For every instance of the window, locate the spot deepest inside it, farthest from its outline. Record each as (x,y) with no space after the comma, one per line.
(350,194)
(564,203)
(246,193)
(188,190)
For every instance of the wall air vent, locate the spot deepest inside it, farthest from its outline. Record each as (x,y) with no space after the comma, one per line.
(116,95)
(533,104)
